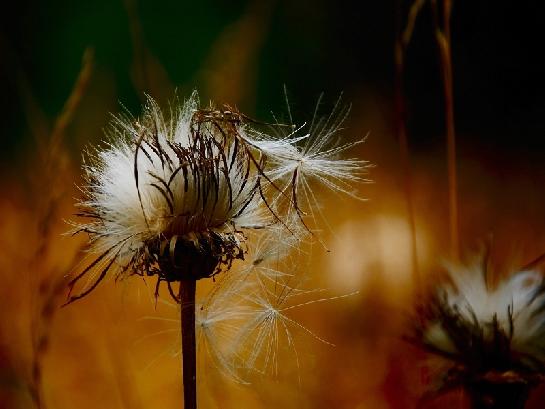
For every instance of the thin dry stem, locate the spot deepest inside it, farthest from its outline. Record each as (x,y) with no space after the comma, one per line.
(73,101)
(402,41)
(45,292)
(442,36)
(142,69)
(52,291)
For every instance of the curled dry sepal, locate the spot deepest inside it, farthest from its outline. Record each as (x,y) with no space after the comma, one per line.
(492,336)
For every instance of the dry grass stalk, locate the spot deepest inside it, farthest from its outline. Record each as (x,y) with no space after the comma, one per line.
(443,39)
(46,291)
(403,39)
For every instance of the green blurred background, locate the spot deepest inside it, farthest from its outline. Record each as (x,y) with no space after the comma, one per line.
(243,52)
(232,51)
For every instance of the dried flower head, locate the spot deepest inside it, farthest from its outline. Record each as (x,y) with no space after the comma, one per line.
(175,193)
(491,335)
(176,197)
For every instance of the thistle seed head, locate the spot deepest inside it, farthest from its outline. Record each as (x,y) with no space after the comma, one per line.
(172,197)
(490,334)
(177,196)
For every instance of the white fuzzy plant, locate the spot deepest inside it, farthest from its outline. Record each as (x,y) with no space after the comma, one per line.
(492,335)
(191,194)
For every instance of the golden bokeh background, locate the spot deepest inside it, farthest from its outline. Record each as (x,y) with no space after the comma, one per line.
(118,347)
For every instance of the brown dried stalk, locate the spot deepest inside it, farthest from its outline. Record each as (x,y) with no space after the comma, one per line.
(402,41)
(49,289)
(442,36)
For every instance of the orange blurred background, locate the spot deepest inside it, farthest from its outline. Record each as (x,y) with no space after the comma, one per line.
(109,350)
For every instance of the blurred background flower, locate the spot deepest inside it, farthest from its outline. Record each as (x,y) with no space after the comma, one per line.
(66,65)
(489,336)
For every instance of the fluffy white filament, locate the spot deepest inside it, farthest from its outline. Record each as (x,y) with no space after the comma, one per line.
(516,305)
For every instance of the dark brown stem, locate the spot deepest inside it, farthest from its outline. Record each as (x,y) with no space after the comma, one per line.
(189,354)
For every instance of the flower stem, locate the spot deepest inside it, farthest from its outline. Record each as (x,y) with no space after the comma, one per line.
(189,355)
